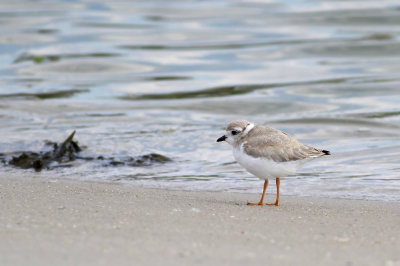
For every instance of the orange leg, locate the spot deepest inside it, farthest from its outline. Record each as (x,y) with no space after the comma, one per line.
(278,183)
(263,194)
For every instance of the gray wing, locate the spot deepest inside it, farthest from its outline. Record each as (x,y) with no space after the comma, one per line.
(277,146)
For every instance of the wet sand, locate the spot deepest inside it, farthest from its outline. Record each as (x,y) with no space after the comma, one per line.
(58,222)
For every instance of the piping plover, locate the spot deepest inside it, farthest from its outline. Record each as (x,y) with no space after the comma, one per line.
(267,152)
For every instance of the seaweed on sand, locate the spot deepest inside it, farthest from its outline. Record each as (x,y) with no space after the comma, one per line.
(61,153)
(68,151)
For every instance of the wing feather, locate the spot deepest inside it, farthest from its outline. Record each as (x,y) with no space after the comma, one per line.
(276,145)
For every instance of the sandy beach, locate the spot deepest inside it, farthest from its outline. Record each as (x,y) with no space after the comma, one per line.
(57,222)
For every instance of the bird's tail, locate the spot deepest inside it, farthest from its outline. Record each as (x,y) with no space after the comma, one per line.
(326,152)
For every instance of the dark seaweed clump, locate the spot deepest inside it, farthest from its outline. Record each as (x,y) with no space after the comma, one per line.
(143,160)
(67,151)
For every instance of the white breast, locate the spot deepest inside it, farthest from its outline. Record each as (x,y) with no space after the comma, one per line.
(264,168)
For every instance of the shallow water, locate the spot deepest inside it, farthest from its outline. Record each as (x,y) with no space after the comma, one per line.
(166,77)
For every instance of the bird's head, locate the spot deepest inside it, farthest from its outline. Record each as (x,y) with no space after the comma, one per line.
(235,131)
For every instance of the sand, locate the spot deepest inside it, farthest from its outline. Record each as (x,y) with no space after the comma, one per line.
(58,222)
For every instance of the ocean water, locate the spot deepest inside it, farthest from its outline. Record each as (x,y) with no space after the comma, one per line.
(139,77)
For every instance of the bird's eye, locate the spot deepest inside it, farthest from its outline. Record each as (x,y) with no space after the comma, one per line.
(234,132)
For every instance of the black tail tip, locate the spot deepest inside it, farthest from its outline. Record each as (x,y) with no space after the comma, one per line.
(326,152)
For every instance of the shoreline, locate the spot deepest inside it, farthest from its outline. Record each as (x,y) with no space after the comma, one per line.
(68,222)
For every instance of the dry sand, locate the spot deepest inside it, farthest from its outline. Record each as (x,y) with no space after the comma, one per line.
(54,222)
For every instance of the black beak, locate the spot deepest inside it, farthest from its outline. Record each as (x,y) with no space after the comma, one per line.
(221,138)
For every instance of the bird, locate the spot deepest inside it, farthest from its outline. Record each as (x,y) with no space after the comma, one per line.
(267,152)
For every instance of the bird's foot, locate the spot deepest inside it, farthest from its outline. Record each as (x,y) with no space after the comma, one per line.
(255,204)
(273,204)
(263,204)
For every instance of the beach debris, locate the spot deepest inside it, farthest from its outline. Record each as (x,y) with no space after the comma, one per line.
(142,160)
(61,155)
